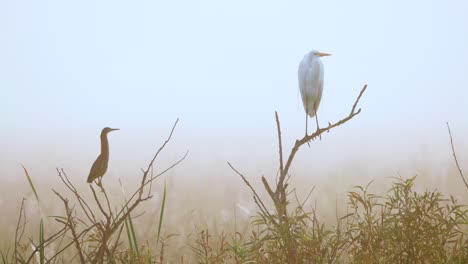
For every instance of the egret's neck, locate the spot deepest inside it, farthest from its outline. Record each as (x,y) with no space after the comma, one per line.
(104,146)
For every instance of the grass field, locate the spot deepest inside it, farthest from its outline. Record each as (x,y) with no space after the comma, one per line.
(192,209)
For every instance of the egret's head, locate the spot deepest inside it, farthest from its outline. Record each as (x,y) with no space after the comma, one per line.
(319,54)
(107,130)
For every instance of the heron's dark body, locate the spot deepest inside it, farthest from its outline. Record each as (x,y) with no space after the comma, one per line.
(99,167)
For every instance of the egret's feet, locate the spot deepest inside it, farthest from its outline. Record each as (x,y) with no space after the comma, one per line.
(308,142)
(320,135)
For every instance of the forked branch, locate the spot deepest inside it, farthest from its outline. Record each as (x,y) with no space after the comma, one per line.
(307,138)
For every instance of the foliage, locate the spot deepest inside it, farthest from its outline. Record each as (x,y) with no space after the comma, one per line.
(403,226)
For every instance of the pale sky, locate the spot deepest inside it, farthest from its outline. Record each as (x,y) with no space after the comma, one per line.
(70,68)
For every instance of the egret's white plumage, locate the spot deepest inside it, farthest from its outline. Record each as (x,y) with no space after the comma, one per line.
(310,75)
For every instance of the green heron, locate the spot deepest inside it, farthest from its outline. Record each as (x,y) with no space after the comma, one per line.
(99,167)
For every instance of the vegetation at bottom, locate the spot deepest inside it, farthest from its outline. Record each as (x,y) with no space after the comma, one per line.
(402,226)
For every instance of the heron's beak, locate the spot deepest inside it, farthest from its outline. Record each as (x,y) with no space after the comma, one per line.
(321,54)
(113,129)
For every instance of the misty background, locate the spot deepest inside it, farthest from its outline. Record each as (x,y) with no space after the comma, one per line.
(68,69)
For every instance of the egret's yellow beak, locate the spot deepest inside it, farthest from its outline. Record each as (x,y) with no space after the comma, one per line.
(321,54)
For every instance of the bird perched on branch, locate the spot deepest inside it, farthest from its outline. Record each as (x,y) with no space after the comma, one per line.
(310,75)
(99,167)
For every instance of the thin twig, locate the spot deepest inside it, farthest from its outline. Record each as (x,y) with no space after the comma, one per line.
(116,244)
(107,202)
(47,242)
(72,227)
(120,219)
(455,157)
(84,206)
(99,203)
(72,242)
(145,174)
(280,145)
(148,182)
(262,207)
(357,100)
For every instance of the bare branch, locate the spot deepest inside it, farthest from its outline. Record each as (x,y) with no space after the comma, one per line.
(51,239)
(116,244)
(99,203)
(72,225)
(455,157)
(357,100)
(256,196)
(280,145)
(148,182)
(107,201)
(84,206)
(72,242)
(145,174)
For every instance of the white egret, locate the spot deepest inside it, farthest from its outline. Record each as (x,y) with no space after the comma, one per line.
(310,75)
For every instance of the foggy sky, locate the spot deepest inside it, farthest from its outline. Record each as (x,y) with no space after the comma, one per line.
(68,69)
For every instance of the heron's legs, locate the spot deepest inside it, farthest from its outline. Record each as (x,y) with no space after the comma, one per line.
(316,120)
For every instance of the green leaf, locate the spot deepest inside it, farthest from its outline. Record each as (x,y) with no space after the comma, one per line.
(30,182)
(161,215)
(4,258)
(129,236)
(41,243)
(132,230)
(21,258)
